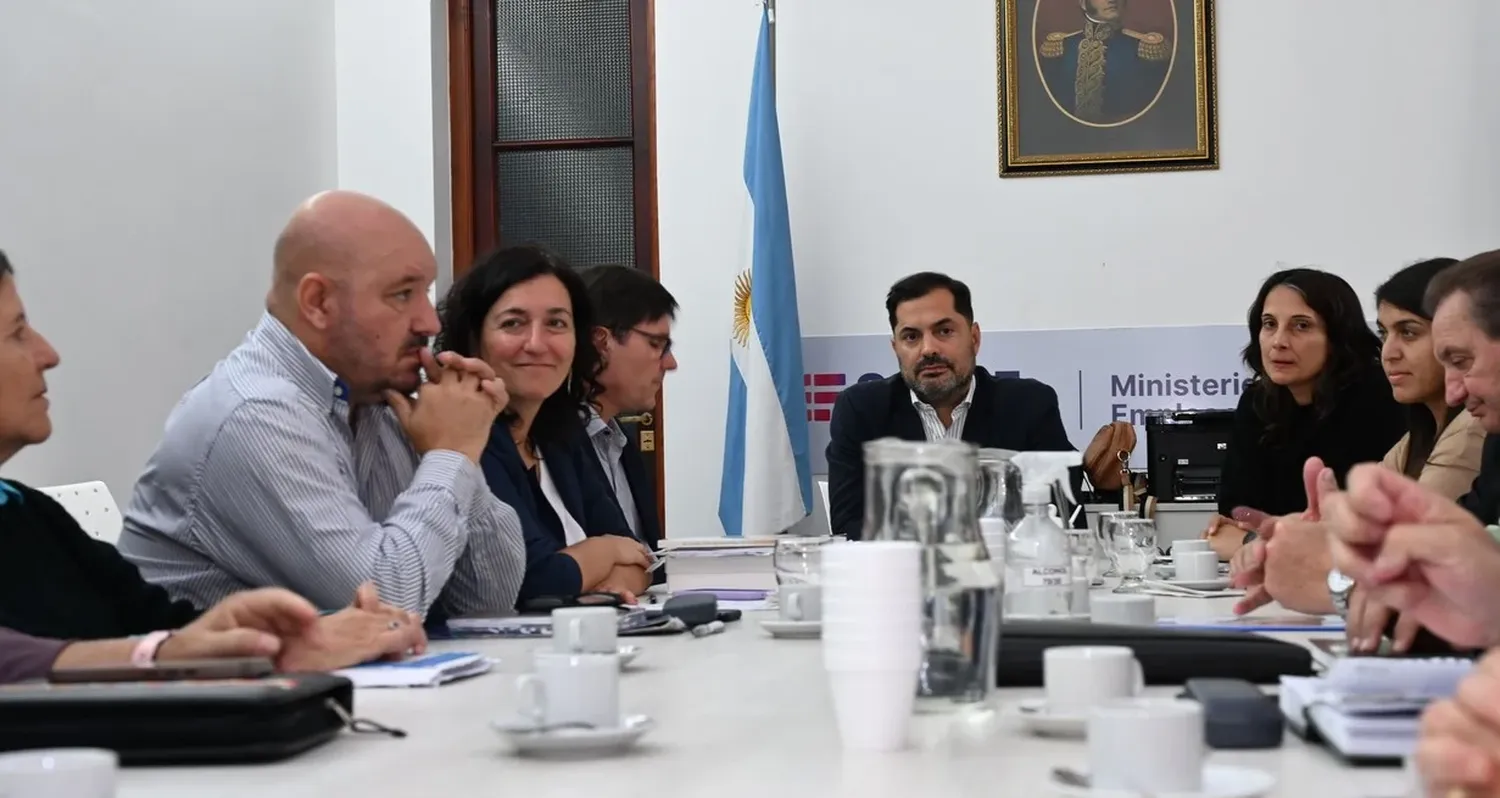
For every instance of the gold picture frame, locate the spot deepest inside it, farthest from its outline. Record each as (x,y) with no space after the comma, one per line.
(1106,86)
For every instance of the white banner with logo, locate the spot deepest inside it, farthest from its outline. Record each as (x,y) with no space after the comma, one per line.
(1100,375)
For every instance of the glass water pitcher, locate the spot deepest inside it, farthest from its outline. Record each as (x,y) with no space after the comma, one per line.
(927,492)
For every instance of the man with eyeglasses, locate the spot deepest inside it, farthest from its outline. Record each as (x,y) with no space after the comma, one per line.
(634,314)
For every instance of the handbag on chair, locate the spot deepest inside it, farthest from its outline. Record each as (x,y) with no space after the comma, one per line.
(1106,461)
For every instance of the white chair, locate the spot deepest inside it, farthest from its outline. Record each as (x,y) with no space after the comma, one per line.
(92,506)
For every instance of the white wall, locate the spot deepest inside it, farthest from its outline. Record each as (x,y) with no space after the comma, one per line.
(392,80)
(149,153)
(1349,139)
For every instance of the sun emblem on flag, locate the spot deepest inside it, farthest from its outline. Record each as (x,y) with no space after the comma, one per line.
(742,308)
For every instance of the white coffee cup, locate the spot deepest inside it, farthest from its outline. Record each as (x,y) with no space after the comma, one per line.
(572,688)
(1190,544)
(800,602)
(1149,745)
(59,773)
(1195,566)
(1127,609)
(586,630)
(1078,677)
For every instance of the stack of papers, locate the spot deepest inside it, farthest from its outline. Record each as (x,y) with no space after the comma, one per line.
(1257,623)
(1369,708)
(426,671)
(533,625)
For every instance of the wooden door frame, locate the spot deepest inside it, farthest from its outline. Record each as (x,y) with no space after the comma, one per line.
(470,31)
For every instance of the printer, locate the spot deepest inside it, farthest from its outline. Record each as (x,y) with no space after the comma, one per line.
(1185,451)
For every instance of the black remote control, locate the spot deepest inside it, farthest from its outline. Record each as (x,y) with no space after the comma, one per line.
(1236,714)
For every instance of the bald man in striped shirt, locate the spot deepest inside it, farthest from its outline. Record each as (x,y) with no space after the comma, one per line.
(314,457)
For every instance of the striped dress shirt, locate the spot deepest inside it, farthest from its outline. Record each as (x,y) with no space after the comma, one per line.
(932,424)
(266,476)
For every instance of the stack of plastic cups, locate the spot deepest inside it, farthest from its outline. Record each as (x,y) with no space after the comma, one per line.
(872,639)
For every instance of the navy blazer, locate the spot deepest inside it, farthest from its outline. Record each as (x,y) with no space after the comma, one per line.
(1483,498)
(1006,413)
(549,572)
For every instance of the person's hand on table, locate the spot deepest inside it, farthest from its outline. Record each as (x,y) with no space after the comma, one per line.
(354,635)
(1417,553)
(1458,752)
(1365,627)
(1225,536)
(627,581)
(251,623)
(1288,561)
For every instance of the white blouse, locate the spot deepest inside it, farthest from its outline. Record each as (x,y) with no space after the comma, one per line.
(572,532)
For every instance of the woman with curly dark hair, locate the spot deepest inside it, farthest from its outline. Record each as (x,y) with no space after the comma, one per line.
(526,313)
(1318,391)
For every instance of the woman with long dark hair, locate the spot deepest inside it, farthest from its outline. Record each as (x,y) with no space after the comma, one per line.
(1318,391)
(1443,444)
(526,313)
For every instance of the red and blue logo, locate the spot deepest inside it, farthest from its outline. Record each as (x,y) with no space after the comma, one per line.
(822,391)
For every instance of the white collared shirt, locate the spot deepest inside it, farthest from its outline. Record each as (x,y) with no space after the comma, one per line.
(609,444)
(932,425)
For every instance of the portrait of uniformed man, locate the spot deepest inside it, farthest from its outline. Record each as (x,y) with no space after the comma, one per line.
(1102,72)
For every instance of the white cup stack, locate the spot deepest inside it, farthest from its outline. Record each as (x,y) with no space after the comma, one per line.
(872,639)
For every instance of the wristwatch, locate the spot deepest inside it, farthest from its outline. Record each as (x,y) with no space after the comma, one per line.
(1339,588)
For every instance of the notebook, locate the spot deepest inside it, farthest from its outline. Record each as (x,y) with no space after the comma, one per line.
(1368,709)
(426,671)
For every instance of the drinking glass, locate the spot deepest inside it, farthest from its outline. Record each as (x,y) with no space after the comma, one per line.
(1133,548)
(1105,531)
(799,561)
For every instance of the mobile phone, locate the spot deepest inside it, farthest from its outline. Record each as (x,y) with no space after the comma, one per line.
(186,670)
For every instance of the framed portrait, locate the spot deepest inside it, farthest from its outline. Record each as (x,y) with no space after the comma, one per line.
(1089,86)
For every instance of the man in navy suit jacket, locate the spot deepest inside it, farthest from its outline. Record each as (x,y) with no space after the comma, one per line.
(633,314)
(940,393)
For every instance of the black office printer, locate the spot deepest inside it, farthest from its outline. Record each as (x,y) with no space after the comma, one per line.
(1184,452)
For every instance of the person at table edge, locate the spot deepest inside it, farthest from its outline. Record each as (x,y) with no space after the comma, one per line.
(314,457)
(526,313)
(633,315)
(1319,391)
(58,582)
(940,393)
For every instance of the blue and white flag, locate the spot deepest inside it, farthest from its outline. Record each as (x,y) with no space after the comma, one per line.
(767,484)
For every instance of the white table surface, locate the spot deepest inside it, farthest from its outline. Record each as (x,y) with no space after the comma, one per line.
(738,714)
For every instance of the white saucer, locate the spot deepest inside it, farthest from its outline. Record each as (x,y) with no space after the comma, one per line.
(525,740)
(1222,583)
(1219,781)
(793,630)
(1038,720)
(628,655)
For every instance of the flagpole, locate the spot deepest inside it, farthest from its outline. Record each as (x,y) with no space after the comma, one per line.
(771,18)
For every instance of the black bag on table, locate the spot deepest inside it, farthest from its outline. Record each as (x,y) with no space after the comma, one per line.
(1167,656)
(183,722)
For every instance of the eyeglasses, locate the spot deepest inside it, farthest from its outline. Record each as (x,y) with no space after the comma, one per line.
(661,343)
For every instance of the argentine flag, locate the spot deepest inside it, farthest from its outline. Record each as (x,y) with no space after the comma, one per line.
(767,485)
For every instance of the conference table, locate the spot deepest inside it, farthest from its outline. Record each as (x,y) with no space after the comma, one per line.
(737,714)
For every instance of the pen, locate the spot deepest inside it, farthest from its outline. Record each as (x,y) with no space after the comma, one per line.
(706,629)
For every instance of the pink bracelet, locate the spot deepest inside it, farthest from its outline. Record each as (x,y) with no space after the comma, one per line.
(144,655)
